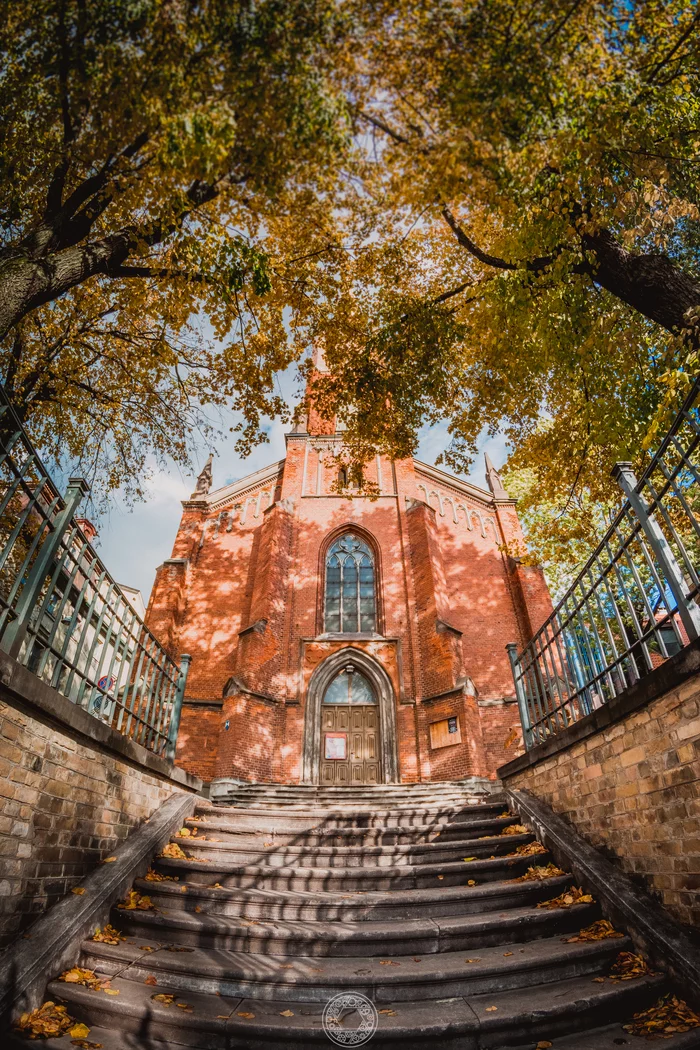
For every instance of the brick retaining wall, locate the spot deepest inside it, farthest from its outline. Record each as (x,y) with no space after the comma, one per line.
(66,800)
(633,788)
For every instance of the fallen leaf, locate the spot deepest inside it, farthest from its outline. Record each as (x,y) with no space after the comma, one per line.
(173,851)
(669,1014)
(389,1013)
(155,876)
(78,890)
(599,980)
(515,829)
(388,962)
(197,908)
(46,1022)
(111,991)
(544,1044)
(472,960)
(287,1013)
(108,935)
(150,979)
(178,948)
(597,931)
(79,975)
(186,1007)
(146,948)
(471,882)
(184,833)
(491,1009)
(222,1017)
(537,871)
(109,860)
(628,966)
(135,902)
(441,876)
(416,959)
(506,954)
(166,998)
(244,1013)
(528,849)
(79,1031)
(467,859)
(566,899)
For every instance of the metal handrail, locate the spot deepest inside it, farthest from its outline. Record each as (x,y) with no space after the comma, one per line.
(634,602)
(64,616)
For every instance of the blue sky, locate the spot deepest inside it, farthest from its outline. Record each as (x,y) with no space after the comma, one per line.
(132,543)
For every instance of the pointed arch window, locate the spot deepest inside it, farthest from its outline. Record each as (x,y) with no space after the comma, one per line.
(350,606)
(350,686)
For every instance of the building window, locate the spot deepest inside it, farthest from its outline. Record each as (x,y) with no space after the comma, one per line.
(350,601)
(342,478)
(350,687)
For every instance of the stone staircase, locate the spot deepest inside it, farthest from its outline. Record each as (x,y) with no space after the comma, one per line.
(406,894)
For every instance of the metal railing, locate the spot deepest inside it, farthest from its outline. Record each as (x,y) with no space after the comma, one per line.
(634,603)
(64,617)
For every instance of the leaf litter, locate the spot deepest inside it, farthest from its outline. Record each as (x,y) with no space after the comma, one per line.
(662,1020)
(135,902)
(50,1021)
(567,898)
(597,931)
(108,935)
(538,871)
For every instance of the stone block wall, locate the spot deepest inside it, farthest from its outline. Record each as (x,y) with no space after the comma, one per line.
(66,801)
(633,789)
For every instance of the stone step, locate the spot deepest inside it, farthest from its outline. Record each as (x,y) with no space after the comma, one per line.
(207,863)
(211,1022)
(316,833)
(312,856)
(338,906)
(351,938)
(416,817)
(305,979)
(317,805)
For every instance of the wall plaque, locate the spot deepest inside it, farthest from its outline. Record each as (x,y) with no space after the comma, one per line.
(336,746)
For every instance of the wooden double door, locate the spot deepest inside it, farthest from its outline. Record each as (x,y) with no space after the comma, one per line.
(350,744)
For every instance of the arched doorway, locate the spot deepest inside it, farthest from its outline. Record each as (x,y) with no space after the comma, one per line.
(350,724)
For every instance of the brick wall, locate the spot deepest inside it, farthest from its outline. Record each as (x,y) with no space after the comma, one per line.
(65,805)
(633,788)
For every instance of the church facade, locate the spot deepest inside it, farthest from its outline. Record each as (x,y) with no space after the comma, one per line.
(342,639)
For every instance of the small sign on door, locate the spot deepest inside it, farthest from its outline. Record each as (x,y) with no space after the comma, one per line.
(336,745)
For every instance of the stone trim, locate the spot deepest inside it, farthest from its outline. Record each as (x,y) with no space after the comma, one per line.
(54,941)
(669,675)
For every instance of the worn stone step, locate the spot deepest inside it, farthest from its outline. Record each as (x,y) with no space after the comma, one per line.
(317,833)
(338,906)
(429,976)
(384,937)
(351,817)
(220,1023)
(613,1036)
(207,860)
(305,855)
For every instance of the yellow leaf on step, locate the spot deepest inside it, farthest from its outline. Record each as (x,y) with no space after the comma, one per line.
(441,876)
(109,860)
(471,882)
(78,890)
(467,859)
(111,991)
(244,1013)
(544,1044)
(389,1013)
(491,1009)
(79,1031)
(287,1013)
(506,954)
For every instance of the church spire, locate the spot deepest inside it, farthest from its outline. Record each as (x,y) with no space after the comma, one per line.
(494,480)
(204,481)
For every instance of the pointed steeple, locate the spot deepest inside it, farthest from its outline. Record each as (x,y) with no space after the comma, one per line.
(204,481)
(494,480)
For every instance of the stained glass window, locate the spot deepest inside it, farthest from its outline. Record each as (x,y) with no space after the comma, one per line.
(350,601)
(349,687)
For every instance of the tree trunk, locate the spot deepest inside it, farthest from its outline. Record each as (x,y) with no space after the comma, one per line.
(652,284)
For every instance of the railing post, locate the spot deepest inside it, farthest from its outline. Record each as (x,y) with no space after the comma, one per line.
(174,726)
(16,631)
(512,650)
(688,611)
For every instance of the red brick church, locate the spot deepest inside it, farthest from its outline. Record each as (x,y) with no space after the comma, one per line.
(340,638)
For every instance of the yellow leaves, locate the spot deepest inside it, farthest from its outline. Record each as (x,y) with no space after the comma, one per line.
(471,882)
(389,1013)
(79,1031)
(77,975)
(515,829)
(186,1007)
(566,899)
(109,860)
(78,890)
(667,1016)
(597,931)
(529,849)
(173,851)
(46,1022)
(286,1013)
(111,991)
(164,998)
(468,859)
(135,902)
(551,871)
(108,935)
(155,876)
(388,962)
(491,1009)
(246,1014)
(185,833)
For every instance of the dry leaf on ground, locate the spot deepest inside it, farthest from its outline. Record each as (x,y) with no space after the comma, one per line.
(108,935)
(135,902)
(109,860)
(151,980)
(184,833)
(389,1013)
(155,876)
(186,1007)
(597,931)
(79,975)
(78,890)
(244,1013)
(173,851)
(627,966)
(567,898)
(529,849)
(538,871)
(667,1016)
(491,1009)
(166,998)
(287,1013)
(515,829)
(471,882)
(46,1022)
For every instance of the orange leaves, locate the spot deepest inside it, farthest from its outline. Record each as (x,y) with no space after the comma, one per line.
(389,1013)
(46,1022)
(286,1013)
(155,876)
(471,882)
(88,978)
(78,890)
(151,980)
(529,849)
(566,899)
(515,829)
(135,902)
(173,851)
(551,871)
(164,998)
(597,931)
(667,1016)
(108,935)
(629,966)
(184,833)
(246,1014)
